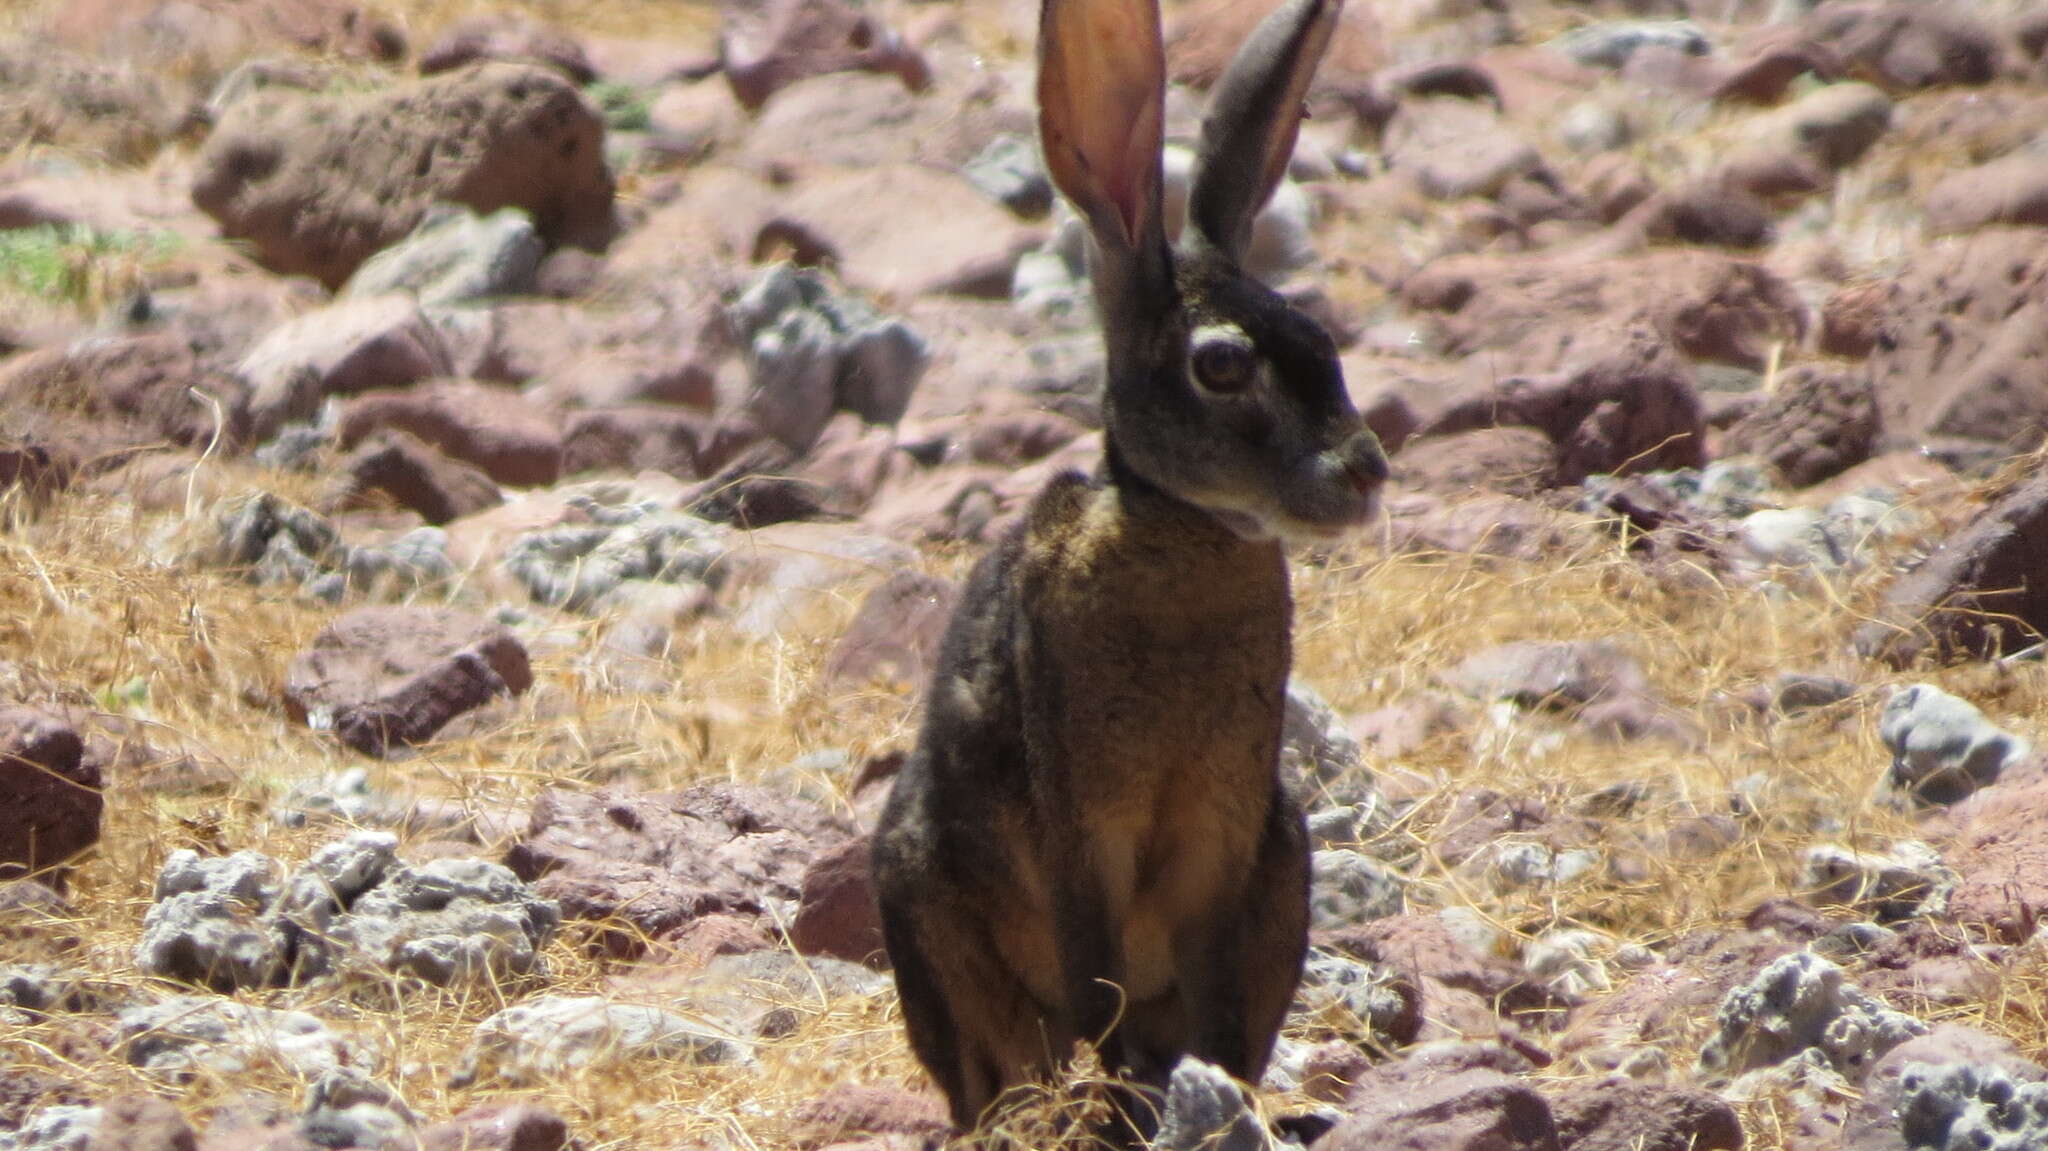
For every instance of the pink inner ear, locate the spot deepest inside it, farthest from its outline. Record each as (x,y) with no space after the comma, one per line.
(1139,166)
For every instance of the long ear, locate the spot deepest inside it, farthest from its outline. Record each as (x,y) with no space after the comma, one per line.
(1101,101)
(1254,115)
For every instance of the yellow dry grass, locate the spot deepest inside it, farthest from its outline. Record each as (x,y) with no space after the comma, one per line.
(89,603)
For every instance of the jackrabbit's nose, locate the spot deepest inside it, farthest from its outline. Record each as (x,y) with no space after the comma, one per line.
(1364,462)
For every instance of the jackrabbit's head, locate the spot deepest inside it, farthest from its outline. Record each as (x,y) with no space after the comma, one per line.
(1219,392)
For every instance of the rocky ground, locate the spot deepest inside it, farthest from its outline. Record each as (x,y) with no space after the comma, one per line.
(482,485)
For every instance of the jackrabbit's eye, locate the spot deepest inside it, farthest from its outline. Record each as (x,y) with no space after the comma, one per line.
(1224,364)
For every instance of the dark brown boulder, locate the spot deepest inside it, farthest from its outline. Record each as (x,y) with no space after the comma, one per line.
(50,798)
(1984,590)
(1817,423)
(384,677)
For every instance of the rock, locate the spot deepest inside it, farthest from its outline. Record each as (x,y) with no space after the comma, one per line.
(488,137)
(657,861)
(1315,745)
(507,36)
(1999,854)
(836,911)
(1975,596)
(98,107)
(1010,172)
(1514,461)
(811,352)
(766,47)
(1907,46)
(185,1034)
(340,350)
(382,677)
(551,1036)
(1954,1105)
(1609,44)
(1619,1114)
(164,29)
(1772,63)
(206,927)
(455,256)
(957,243)
(499,1127)
(1456,148)
(639,438)
(1421,947)
(1815,424)
(1206,1111)
(1202,38)
(589,562)
(344,1108)
(1888,886)
(448,922)
(2009,190)
(414,476)
(139,389)
(1942,747)
(1799,1003)
(1851,320)
(512,439)
(1834,124)
(1549,673)
(50,796)
(854,120)
(895,632)
(1349,888)
(1709,212)
(1358,1001)
(60,1127)
(848,1111)
(1472,1110)
(1875,1120)
(1959,342)
(141,1123)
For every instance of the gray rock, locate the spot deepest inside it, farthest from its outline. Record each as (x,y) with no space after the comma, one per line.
(256,530)
(1795,537)
(207,924)
(1835,123)
(1906,881)
(1590,126)
(193,1033)
(580,567)
(1010,172)
(1564,961)
(1206,1111)
(451,920)
(1942,747)
(1348,888)
(347,347)
(1958,1107)
(1365,995)
(1800,1003)
(555,1035)
(57,1128)
(1510,865)
(347,1109)
(811,352)
(341,797)
(1316,746)
(1609,44)
(455,256)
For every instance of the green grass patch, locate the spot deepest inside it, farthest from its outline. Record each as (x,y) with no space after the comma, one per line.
(78,265)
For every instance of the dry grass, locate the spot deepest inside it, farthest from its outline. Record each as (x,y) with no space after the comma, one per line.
(87,605)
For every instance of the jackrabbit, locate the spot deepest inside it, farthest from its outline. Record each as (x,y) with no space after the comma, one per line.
(1091,840)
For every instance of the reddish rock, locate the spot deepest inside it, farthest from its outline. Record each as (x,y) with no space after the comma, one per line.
(1980,593)
(1652,1003)
(655,862)
(1710,212)
(37,471)
(850,462)
(1534,313)
(630,375)
(1908,46)
(1816,423)
(1873,1119)
(651,438)
(1202,38)
(1421,947)
(1615,184)
(848,1110)
(1622,404)
(160,28)
(836,914)
(1517,461)
(895,631)
(958,241)
(50,799)
(1619,1114)
(344,349)
(1852,320)
(141,1123)
(416,477)
(499,1127)
(768,46)
(1963,337)
(489,136)
(2008,190)
(2000,857)
(383,677)
(1772,174)
(711,936)
(508,36)
(1771,63)
(857,120)
(1475,1110)
(1482,524)
(513,440)
(143,384)
(1456,148)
